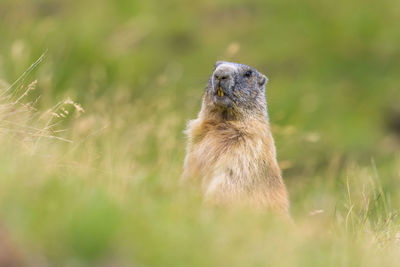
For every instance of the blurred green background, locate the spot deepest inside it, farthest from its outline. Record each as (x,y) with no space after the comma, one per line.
(139,69)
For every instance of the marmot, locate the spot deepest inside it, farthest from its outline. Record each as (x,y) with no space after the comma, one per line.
(230,149)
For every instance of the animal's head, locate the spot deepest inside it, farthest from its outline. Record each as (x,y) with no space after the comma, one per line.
(236,88)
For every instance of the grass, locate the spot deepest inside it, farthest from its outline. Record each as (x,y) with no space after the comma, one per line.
(100,187)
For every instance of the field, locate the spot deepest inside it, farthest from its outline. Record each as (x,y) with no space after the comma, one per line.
(94,98)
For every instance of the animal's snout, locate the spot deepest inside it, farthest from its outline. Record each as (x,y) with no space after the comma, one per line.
(221,74)
(223,79)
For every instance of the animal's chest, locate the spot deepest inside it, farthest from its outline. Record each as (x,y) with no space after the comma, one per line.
(223,147)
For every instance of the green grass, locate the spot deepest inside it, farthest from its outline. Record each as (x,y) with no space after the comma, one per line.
(100,187)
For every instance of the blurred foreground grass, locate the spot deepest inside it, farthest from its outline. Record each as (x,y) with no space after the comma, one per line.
(108,194)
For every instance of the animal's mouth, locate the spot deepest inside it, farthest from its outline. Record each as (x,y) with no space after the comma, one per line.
(220,92)
(222,97)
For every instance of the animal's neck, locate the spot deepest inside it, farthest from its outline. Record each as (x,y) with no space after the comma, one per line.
(251,127)
(230,116)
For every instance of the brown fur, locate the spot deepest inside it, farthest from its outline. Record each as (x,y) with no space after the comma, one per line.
(234,160)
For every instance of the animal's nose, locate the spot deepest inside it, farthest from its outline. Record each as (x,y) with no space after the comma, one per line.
(222,74)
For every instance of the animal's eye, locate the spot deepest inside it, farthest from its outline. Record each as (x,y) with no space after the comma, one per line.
(248,73)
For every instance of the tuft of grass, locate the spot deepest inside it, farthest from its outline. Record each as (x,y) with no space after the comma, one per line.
(21,121)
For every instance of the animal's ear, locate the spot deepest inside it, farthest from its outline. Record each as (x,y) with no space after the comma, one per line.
(262,79)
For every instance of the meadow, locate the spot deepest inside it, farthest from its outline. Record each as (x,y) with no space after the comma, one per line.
(94,98)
